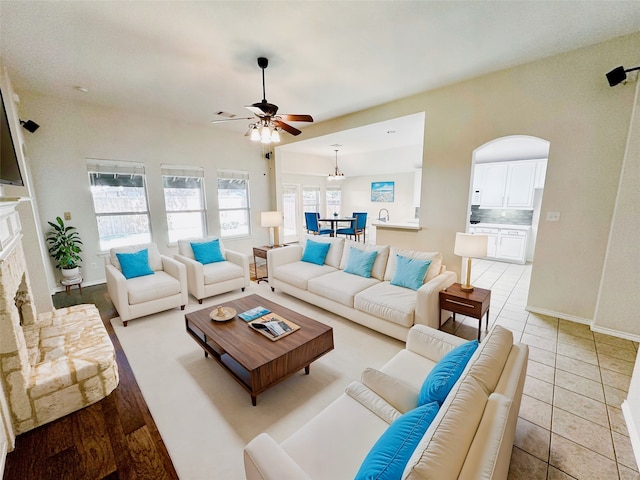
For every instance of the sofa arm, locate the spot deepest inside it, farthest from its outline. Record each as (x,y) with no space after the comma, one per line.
(428,300)
(264,459)
(117,288)
(281,256)
(431,343)
(178,271)
(242,261)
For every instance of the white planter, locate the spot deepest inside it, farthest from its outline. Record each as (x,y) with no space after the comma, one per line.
(70,274)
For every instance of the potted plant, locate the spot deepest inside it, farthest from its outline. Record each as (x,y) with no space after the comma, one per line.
(65,248)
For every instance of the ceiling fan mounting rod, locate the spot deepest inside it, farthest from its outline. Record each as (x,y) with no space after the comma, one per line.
(263,63)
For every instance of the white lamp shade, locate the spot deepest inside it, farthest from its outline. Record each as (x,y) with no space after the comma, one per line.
(271,219)
(471,245)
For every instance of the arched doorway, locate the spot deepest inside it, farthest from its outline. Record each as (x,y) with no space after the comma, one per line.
(505,198)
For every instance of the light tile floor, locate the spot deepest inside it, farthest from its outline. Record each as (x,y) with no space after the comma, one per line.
(570,423)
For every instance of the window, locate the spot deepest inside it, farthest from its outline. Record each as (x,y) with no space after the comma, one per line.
(120,203)
(334,195)
(311,199)
(184,202)
(233,202)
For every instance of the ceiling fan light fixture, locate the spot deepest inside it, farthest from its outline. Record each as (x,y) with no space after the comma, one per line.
(265,134)
(275,135)
(255,133)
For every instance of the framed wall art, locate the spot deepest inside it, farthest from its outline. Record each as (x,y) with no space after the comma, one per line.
(382,191)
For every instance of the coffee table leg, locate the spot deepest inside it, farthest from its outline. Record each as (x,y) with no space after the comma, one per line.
(306,369)
(254,400)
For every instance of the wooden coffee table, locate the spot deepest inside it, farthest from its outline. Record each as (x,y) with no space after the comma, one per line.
(254,361)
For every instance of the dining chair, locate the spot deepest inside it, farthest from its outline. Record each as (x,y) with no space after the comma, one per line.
(357,228)
(313,227)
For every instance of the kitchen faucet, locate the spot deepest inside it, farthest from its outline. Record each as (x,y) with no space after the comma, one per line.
(380,217)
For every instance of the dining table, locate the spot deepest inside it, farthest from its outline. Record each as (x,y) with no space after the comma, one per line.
(334,222)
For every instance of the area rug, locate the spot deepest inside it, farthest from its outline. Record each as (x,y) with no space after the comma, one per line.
(204,416)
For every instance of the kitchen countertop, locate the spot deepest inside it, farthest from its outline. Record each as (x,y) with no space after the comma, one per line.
(501,225)
(397,225)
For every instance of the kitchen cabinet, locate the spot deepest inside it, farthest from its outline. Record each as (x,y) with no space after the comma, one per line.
(506,184)
(504,243)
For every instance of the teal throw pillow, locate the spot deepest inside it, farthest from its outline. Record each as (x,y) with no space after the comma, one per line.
(360,262)
(135,264)
(315,252)
(410,272)
(445,374)
(388,457)
(207,252)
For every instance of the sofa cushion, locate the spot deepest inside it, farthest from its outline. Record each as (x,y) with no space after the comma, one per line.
(155,261)
(135,264)
(220,272)
(360,262)
(315,252)
(432,272)
(446,373)
(380,263)
(442,451)
(152,287)
(299,273)
(410,272)
(207,252)
(395,304)
(335,250)
(488,363)
(398,394)
(389,455)
(340,286)
(184,246)
(373,402)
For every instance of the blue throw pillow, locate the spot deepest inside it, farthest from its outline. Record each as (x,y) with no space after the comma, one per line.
(410,272)
(135,264)
(388,457)
(315,252)
(207,252)
(445,374)
(360,262)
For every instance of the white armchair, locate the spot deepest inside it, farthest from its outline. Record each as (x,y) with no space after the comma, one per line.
(143,295)
(213,278)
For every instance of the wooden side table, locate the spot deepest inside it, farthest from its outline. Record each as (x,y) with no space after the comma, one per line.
(473,304)
(261,252)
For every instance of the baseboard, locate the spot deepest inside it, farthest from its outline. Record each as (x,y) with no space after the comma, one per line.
(59,289)
(634,435)
(564,316)
(615,333)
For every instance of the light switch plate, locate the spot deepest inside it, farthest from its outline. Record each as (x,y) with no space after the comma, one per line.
(67,215)
(553,216)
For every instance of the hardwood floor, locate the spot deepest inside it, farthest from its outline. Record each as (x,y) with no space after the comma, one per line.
(115,438)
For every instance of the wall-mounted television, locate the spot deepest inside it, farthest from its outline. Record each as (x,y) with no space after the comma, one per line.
(9,166)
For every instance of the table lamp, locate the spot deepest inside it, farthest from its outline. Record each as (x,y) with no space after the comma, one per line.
(271,220)
(471,246)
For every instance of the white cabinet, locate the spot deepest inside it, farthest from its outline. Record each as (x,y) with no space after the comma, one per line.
(417,187)
(541,173)
(506,184)
(504,243)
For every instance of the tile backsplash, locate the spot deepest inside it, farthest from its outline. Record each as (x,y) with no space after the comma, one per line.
(501,215)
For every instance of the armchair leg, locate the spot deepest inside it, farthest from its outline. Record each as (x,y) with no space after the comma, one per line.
(124,323)
(200,301)
(243,289)
(181,307)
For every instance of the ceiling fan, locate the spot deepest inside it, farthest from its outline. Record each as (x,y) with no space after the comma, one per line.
(269,123)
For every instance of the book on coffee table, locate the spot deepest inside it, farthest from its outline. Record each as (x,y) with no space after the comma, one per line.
(273,326)
(253,313)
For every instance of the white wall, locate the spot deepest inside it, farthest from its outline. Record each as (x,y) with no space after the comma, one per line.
(70,132)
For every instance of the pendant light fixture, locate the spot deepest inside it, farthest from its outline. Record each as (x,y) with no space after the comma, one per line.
(337,174)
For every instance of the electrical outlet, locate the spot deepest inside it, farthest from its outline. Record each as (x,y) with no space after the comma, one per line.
(553,216)
(94,266)
(67,215)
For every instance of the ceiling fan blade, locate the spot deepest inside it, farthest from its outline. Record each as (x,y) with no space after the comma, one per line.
(290,117)
(231,119)
(287,128)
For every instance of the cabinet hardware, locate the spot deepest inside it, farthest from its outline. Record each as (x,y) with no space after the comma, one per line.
(459,303)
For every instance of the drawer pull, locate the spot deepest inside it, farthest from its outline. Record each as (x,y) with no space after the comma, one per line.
(459,303)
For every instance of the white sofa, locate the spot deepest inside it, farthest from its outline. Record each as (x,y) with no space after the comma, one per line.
(213,278)
(471,436)
(372,302)
(140,296)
